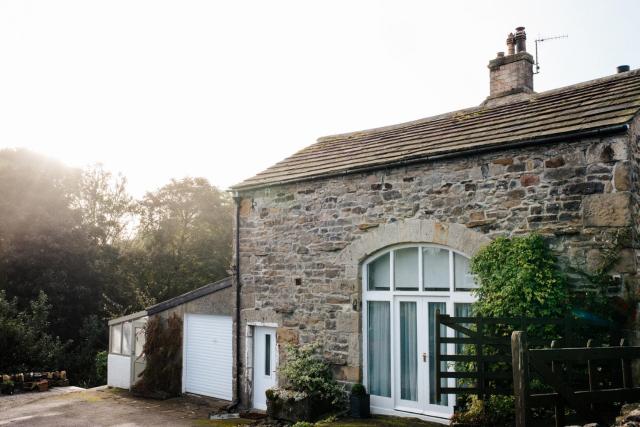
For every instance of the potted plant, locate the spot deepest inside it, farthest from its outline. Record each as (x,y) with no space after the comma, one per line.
(359,401)
(309,393)
(7,387)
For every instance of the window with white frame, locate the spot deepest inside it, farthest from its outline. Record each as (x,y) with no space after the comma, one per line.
(120,338)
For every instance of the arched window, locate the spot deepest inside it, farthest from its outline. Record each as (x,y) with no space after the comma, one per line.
(403,287)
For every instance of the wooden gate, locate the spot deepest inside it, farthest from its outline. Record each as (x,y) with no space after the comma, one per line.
(552,367)
(484,355)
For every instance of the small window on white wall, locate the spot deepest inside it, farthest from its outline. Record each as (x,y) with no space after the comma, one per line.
(126,338)
(116,338)
(140,340)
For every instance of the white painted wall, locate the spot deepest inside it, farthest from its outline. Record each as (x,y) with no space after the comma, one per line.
(119,371)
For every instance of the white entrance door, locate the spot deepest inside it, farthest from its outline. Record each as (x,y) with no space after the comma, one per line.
(415,353)
(264,364)
(207,356)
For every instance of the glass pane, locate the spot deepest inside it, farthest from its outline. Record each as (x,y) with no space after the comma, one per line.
(408,352)
(140,340)
(379,351)
(435,269)
(126,338)
(405,269)
(462,310)
(379,273)
(267,355)
(463,278)
(116,338)
(433,306)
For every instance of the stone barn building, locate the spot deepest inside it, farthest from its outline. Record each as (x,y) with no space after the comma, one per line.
(356,240)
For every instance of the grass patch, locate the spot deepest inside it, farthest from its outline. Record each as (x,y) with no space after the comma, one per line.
(383,421)
(226,423)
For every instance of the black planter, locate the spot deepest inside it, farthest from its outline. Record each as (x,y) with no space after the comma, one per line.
(311,409)
(360,407)
(7,388)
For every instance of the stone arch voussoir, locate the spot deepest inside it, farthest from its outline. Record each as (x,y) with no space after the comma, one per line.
(455,236)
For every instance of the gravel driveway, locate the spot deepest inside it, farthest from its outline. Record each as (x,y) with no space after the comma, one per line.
(100,407)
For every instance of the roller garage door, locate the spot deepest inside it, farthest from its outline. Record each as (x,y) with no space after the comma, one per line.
(207,358)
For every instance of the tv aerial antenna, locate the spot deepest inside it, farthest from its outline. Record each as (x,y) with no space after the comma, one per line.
(544,39)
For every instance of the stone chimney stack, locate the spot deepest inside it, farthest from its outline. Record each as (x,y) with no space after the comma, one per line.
(512,74)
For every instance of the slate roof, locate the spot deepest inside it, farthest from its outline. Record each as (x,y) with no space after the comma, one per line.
(190,296)
(585,108)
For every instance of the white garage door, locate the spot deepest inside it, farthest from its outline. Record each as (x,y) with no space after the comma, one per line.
(207,358)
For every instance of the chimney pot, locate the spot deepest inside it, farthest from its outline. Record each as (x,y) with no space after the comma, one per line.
(521,40)
(622,68)
(511,42)
(500,55)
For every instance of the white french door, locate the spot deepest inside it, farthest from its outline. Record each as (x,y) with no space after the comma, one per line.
(403,287)
(414,385)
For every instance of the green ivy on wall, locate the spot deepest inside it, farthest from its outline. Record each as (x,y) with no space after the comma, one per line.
(519,277)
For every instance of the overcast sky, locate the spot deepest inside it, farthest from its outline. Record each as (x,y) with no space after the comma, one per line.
(223,89)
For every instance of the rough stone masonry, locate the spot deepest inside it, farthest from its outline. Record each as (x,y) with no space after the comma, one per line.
(579,194)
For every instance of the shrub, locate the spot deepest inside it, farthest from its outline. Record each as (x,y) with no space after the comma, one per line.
(519,277)
(492,412)
(305,371)
(101,367)
(26,345)
(358,390)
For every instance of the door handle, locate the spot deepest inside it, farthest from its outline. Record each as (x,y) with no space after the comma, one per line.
(424,357)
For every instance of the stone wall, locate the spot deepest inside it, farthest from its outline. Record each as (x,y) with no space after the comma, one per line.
(298,267)
(219,302)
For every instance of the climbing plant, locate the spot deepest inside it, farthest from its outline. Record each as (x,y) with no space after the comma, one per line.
(162,376)
(519,276)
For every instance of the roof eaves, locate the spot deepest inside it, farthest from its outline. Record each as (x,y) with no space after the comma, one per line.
(128,317)
(607,130)
(190,296)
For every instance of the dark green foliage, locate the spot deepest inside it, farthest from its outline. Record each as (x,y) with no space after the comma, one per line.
(492,412)
(519,277)
(70,234)
(358,390)
(24,339)
(184,239)
(162,376)
(83,353)
(101,367)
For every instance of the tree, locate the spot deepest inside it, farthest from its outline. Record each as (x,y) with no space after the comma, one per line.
(184,237)
(106,206)
(24,339)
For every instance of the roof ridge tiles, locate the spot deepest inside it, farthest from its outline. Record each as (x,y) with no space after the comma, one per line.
(601,102)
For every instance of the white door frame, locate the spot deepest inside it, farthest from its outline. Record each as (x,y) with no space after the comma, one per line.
(393,405)
(255,329)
